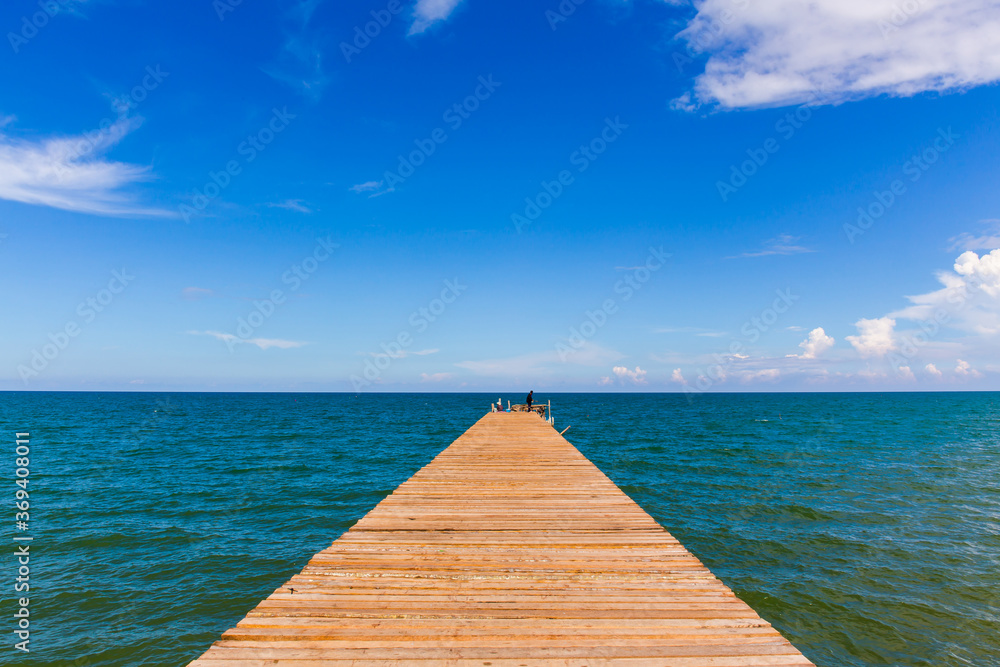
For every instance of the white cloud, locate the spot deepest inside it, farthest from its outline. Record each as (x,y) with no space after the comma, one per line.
(402,354)
(970,296)
(816,344)
(783,244)
(428,12)
(623,375)
(763,375)
(292,205)
(367,186)
(677,377)
(986,241)
(69,173)
(263,343)
(710,333)
(906,373)
(376,188)
(983,272)
(787,51)
(964,369)
(875,337)
(933,371)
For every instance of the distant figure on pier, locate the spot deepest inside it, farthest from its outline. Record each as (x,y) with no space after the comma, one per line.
(531,397)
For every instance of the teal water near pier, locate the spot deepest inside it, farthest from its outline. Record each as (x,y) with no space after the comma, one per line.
(866,527)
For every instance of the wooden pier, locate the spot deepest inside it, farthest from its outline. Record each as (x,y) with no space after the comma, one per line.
(509,548)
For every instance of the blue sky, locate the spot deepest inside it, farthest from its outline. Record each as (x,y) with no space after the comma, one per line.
(603,195)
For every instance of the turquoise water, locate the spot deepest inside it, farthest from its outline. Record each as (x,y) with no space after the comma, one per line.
(866,527)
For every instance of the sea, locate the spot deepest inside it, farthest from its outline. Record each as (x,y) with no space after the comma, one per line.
(865,526)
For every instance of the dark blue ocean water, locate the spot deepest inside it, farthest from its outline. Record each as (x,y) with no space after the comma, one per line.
(866,527)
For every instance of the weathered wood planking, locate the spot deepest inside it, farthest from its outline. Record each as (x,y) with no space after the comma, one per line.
(509,548)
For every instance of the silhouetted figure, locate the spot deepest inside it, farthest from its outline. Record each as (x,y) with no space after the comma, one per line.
(531,397)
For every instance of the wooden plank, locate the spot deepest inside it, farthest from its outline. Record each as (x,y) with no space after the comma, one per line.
(509,548)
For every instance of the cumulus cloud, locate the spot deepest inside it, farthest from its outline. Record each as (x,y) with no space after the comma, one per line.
(906,373)
(965,370)
(623,375)
(981,271)
(428,12)
(816,344)
(933,371)
(970,296)
(70,173)
(788,52)
(875,337)
(677,377)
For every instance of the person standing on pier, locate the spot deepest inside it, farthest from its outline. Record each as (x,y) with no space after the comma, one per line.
(531,397)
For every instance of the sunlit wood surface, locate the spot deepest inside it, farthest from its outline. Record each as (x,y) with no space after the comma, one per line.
(509,548)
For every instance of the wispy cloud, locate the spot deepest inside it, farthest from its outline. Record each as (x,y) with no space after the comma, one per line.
(428,12)
(373,188)
(786,51)
(196,293)
(987,240)
(263,343)
(403,354)
(538,363)
(299,64)
(436,377)
(783,244)
(291,205)
(70,173)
